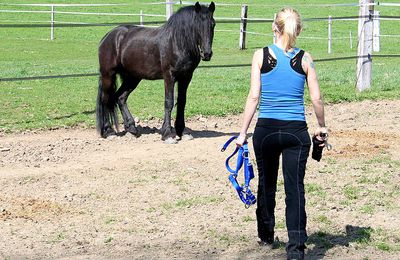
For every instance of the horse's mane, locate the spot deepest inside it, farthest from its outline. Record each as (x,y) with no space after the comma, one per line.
(184,27)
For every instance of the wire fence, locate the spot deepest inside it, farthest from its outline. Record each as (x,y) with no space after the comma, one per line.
(54,24)
(280,5)
(217,19)
(224,20)
(81,75)
(63,24)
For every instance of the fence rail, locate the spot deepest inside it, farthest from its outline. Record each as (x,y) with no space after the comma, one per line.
(280,5)
(80,13)
(53,23)
(64,5)
(81,75)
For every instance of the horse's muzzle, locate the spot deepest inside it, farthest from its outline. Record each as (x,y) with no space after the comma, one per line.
(207,56)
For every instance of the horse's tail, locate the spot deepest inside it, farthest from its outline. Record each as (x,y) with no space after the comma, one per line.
(106,107)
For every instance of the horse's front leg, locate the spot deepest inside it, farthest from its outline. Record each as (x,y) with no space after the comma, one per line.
(128,85)
(181,130)
(167,133)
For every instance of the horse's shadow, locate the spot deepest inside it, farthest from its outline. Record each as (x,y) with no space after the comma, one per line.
(323,241)
(210,133)
(90,112)
(146,130)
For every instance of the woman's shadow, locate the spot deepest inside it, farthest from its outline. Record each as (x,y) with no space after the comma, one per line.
(323,241)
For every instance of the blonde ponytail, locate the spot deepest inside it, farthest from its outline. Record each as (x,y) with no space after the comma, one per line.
(288,24)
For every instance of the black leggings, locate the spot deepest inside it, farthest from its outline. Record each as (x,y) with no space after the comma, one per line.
(291,139)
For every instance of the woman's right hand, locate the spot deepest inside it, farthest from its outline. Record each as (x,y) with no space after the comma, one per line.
(241,140)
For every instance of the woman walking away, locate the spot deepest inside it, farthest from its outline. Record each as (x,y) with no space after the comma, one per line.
(278,74)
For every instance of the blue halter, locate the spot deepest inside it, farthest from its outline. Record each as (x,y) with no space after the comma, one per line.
(244,191)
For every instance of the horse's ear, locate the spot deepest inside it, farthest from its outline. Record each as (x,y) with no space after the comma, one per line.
(212,7)
(197,7)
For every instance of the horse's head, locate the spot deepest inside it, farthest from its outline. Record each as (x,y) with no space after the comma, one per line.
(205,24)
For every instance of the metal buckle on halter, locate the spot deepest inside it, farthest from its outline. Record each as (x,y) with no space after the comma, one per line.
(250,198)
(325,137)
(328,145)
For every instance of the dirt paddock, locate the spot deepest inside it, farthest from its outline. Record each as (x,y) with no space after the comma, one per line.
(68,194)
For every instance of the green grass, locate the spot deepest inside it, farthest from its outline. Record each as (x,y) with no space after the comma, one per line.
(218,91)
(323,219)
(321,239)
(367,209)
(351,192)
(248,219)
(191,202)
(108,240)
(371,192)
(110,220)
(361,237)
(314,189)
(58,238)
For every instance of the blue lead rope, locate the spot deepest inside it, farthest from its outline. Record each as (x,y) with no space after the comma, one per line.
(244,191)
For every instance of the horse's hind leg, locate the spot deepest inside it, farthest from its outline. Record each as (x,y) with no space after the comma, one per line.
(105,110)
(127,86)
(181,130)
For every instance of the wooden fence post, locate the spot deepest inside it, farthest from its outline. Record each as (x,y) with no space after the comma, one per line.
(169,8)
(330,34)
(52,23)
(364,61)
(243,26)
(377,31)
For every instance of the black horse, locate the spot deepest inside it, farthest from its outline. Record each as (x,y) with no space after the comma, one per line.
(170,52)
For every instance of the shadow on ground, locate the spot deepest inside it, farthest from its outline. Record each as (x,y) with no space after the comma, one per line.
(324,241)
(195,133)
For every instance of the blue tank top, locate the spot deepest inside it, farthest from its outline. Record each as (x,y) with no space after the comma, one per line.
(282,89)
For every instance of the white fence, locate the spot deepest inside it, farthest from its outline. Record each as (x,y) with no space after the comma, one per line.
(53,13)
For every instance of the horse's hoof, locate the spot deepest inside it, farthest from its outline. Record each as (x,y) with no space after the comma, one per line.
(170,140)
(112,137)
(132,130)
(130,135)
(187,137)
(109,132)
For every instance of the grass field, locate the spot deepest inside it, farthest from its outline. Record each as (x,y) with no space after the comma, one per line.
(48,103)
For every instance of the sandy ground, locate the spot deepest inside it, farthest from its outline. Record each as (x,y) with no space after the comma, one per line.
(69,194)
